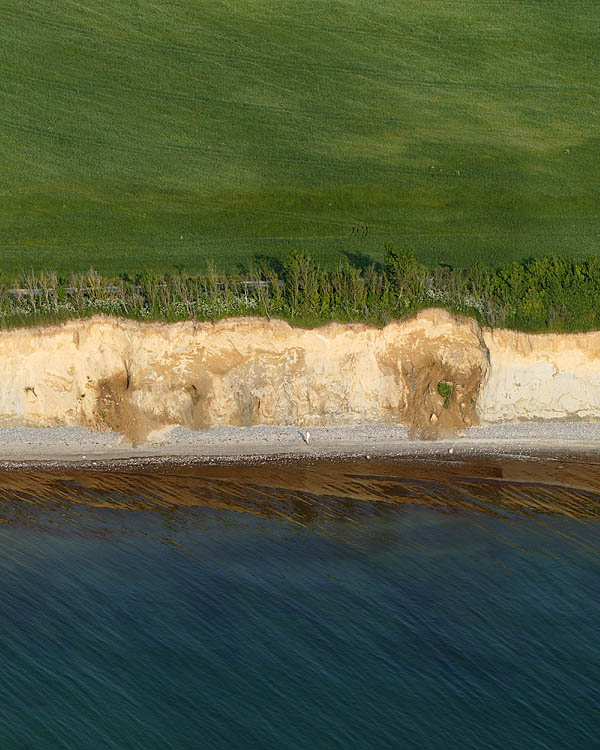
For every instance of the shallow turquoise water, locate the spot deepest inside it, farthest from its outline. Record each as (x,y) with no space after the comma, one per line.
(394,626)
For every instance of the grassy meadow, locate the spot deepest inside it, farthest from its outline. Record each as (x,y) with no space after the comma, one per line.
(155,134)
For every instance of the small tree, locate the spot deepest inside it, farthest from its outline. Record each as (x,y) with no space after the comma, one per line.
(302,283)
(407,277)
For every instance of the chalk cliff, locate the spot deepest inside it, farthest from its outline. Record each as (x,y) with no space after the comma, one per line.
(541,376)
(140,377)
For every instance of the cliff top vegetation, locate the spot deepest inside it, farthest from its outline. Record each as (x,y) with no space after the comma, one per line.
(540,294)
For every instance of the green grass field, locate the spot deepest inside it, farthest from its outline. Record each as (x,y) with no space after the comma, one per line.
(153,133)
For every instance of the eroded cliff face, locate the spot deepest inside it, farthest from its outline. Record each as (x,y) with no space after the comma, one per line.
(138,378)
(541,376)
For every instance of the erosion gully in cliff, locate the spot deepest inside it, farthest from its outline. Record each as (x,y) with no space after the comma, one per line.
(436,373)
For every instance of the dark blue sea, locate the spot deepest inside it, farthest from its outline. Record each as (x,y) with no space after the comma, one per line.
(359,605)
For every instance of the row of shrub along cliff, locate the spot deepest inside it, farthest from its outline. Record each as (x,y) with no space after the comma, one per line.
(550,294)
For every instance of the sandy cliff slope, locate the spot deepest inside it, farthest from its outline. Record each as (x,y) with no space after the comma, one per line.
(541,376)
(136,378)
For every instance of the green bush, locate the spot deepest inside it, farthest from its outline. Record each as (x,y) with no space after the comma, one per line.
(545,294)
(445,391)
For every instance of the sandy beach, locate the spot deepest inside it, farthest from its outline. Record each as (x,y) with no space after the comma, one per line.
(28,446)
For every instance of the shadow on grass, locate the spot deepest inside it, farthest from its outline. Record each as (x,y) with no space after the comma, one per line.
(362,262)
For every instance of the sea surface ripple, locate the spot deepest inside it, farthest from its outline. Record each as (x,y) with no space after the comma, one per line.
(336,605)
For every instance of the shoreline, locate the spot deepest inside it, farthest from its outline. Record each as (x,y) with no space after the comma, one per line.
(80,448)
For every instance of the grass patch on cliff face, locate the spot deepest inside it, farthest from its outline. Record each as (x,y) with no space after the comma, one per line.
(445,391)
(137,135)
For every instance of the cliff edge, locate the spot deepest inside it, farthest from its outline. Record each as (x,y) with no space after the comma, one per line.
(436,373)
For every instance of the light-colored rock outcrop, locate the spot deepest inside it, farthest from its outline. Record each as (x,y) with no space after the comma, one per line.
(140,377)
(541,376)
